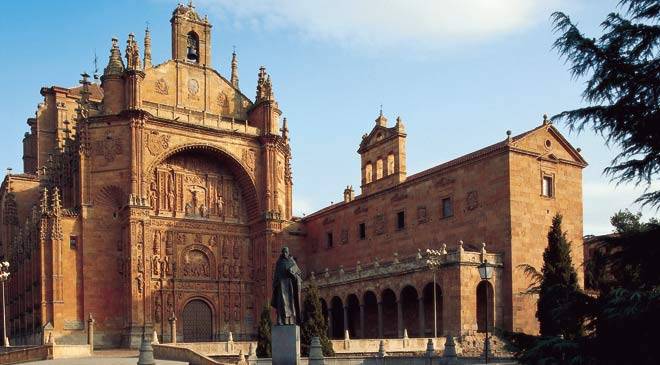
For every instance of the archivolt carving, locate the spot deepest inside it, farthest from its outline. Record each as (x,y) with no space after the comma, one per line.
(197,261)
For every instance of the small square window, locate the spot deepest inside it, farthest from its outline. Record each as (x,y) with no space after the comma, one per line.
(447,208)
(362,228)
(547,188)
(73,242)
(401,220)
(328,240)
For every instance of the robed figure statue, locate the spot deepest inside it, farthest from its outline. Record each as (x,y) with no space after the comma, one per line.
(287,282)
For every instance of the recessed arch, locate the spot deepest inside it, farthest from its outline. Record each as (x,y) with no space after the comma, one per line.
(390,314)
(197,317)
(337,312)
(240,171)
(410,304)
(485,304)
(431,311)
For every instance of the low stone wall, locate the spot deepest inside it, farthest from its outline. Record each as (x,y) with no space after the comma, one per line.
(17,355)
(231,348)
(392,360)
(393,345)
(177,353)
(71,351)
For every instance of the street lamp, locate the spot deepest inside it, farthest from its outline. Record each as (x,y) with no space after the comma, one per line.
(486,272)
(4,276)
(433,262)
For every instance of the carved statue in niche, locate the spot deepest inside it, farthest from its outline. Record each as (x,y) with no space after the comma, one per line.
(237,248)
(155,265)
(170,303)
(158,308)
(169,249)
(225,313)
(225,247)
(219,205)
(140,264)
(170,193)
(225,270)
(166,264)
(153,196)
(156,243)
(203,211)
(236,270)
(140,282)
(235,195)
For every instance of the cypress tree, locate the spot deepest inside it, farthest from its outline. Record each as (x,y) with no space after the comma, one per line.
(558,288)
(263,334)
(314,323)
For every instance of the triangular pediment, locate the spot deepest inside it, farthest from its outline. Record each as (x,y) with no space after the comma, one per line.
(550,144)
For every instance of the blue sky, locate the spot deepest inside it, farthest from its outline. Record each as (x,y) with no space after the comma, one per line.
(459,72)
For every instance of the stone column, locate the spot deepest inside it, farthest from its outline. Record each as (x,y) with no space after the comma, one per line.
(362,321)
(346,318)
(330,323)
(173,329)
(399,317)
(90,332)
(422,320)
(380,319)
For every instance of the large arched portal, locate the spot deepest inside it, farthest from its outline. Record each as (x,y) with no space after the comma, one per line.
(197,322)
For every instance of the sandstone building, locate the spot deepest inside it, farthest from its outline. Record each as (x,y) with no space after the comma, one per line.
(164,191)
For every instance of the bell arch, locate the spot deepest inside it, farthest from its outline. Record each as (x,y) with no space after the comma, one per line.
(237,168)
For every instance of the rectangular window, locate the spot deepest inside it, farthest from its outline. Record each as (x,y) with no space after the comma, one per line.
(447,208)
(73,242)
(362,228)
(329,239)
(547,187)
(401,220)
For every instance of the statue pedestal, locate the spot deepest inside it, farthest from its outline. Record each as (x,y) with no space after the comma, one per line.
(285,342)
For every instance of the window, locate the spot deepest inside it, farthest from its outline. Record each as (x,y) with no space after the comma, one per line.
(379,168)
(362,228)
(73,242)
(401,220)
(547,188)
(368,173)
(328,239)
(447,208)
(390,164)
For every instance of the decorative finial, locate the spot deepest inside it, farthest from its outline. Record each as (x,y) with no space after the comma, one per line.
(508,135)
(545,119)
(381,110)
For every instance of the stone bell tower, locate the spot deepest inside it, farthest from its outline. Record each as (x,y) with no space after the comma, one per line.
(191,36)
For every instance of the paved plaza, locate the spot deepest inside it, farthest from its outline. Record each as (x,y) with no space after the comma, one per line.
(104,357)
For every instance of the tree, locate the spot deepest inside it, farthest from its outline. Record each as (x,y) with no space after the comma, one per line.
(558,286)
(623,71)
(263,333)
(314,323)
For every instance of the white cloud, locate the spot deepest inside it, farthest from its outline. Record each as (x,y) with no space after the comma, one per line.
(387,23)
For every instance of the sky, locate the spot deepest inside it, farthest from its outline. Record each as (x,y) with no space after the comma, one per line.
(460,73)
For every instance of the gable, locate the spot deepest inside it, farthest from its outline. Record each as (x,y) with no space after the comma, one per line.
(178,85)
(377,135)
(549,143)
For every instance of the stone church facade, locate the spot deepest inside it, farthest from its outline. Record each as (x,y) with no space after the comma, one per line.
(165,192)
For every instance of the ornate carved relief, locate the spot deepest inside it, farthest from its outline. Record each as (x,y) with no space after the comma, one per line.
(443,181)
(158,308)
(109,147)
(161,86)
(249,158)
(379,224)
(472,200)
(422,216)
(196,186)
(157,143)
(196,262)
(344,236)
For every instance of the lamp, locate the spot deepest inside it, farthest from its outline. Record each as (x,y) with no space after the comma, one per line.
(485,270)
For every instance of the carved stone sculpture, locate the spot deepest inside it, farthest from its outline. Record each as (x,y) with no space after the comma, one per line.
(287,283)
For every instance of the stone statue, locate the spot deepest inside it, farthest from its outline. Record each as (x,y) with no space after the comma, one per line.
(287,283)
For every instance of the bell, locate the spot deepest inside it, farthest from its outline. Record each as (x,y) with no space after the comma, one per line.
(192,54)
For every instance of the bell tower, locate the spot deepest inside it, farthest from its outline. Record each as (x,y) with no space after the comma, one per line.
(191,36)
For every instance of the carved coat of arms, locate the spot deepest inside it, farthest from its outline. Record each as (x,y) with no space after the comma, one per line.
(157,143)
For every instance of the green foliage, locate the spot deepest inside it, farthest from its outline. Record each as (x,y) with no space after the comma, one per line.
(623,78)
(314,323)
(263,334)
(558,287)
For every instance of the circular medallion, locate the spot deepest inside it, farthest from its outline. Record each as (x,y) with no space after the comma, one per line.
(193,86)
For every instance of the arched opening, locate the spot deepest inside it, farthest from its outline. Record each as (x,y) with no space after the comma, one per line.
(390,317)
(197,322)
(485,305)
(390,164)
(370,315)
(337,313)
(379,168)
(353,308)
(368,173)
(429,310)
(410,309)
(192,49)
